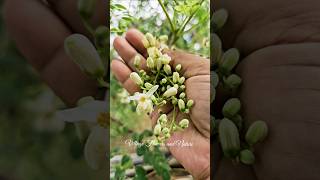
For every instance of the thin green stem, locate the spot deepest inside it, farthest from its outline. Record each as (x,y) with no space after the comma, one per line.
(167,15)
(181,30)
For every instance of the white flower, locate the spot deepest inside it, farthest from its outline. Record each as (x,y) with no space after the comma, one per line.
(94,113)
(145,104)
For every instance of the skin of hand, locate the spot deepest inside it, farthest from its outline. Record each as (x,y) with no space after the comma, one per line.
(279,41)
(196,70)
(39,30)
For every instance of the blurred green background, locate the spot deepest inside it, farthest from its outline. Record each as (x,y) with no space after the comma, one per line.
(32,144)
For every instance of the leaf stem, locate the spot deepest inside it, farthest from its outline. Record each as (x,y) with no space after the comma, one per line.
(167,15)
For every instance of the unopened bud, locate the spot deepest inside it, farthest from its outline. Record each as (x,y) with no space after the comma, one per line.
(190,103)
(231,108)
(163,38)
(167,69)
(84,54)
(164,80)
(157,129)
(151,39)
(184,123)
(175,77)
(181,80)
(137,61)
(182,95)
(148,85)
(136,78)
(181,104)
(178,67)
(170,92)
(150,63)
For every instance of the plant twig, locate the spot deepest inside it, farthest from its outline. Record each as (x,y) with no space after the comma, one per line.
(167,15)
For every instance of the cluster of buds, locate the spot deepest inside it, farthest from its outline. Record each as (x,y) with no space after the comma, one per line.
(161,84)
(237,142)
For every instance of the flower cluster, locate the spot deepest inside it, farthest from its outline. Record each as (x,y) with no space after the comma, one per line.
(161,84)
(236,143)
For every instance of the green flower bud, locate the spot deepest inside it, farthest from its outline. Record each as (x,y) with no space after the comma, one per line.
(163,89)
(181,104)
(247,157)
(167,69)
(102,36)
(184,123)
(219,18)
(157,130)
(231,107)
(84,54)
(229,138)
(181,80)
(151,39)
(176,86)
(168,86)
(163,119)
(164,80)
(175,77)
(165,130)
(178,67)
(233,81)
(186,111)
(167,136)
(137,61)
(216,48)
(148,85)
(229,60)
(145,42)
(214,78)
(142,72)
(136,78)
(153,98)
(170,92)
(212,94)
(163,38)
(86,8)
(174,101)
(165,59)
(182,87)
(190,103)
(182,95)
(257,132)
(150,63)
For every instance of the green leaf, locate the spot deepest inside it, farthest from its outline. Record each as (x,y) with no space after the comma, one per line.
(120,173)
(126,162)
(120,7)
(140,173)
(141,150)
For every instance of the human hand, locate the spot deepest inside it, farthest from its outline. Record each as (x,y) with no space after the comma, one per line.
(39,30)
(196,70)
(280,84)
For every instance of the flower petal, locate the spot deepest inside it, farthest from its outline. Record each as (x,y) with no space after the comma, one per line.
(96,148)
(152,90)
(86,112)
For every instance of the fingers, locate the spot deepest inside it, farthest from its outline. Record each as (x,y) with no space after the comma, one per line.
(192,65)
(122,74)
(68,11)
(134,37)
(39,34)
(127,52)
